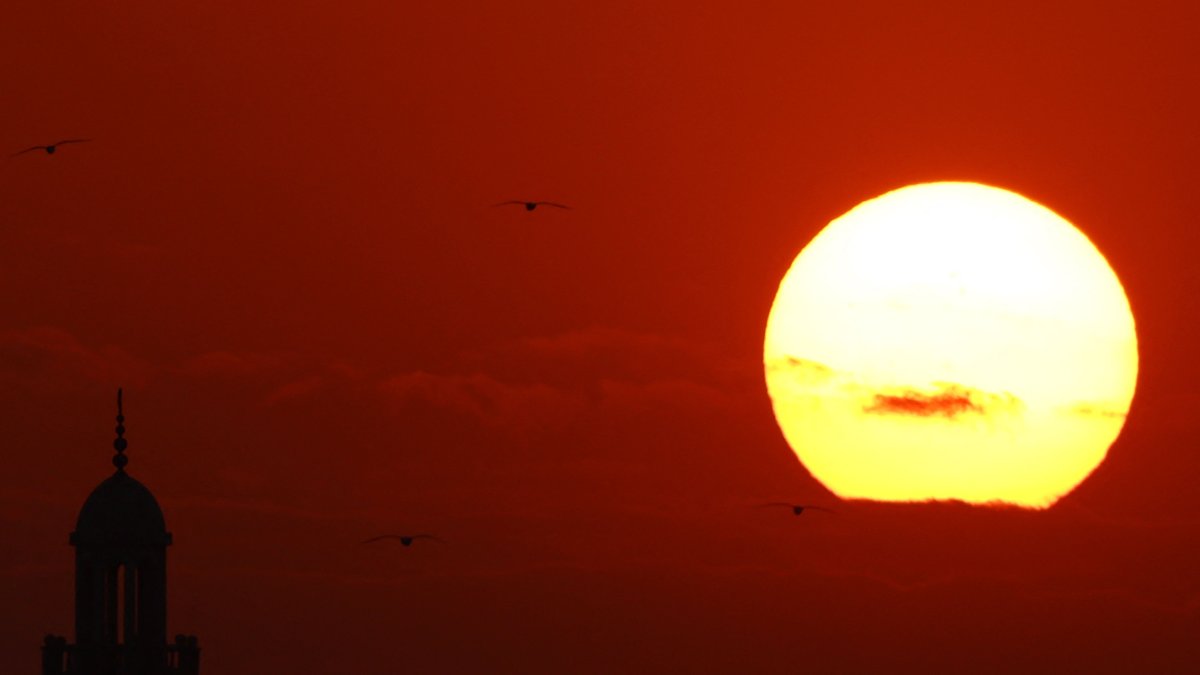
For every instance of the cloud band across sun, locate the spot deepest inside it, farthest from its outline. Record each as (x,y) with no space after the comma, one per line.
(949,401)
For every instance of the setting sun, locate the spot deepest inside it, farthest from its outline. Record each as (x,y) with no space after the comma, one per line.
(951,341)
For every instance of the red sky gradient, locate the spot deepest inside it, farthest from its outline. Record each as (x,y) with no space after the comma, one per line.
(280,242)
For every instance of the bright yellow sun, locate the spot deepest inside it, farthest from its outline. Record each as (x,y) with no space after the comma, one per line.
(951,341)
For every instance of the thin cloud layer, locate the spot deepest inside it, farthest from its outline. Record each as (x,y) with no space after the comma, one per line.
(1097,410)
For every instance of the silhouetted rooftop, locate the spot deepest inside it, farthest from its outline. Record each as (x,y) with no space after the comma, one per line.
(121,510)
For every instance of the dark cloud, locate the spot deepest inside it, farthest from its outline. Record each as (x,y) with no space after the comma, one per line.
(948,400)
(574,377)
(270,377)
(224,363)
(493,402)
(304,386)
(805,371)
(47,356)
(600,353)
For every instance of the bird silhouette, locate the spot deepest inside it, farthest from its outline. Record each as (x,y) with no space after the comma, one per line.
(404,539)
(50,149)
(529,206)
(797,509)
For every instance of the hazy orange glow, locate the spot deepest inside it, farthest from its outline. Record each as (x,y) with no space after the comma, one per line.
(951,341)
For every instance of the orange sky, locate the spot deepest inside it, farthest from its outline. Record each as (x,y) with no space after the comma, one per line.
(280,242)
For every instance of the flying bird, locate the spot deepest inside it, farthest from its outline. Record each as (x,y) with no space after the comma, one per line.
(50,149)
(404,539)
(797,509)
(529,206)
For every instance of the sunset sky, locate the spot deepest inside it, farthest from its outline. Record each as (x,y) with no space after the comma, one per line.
(281,243)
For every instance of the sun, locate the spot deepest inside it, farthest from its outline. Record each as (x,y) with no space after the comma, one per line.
(951,341)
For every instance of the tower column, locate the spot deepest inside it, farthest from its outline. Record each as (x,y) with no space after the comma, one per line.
(120,542)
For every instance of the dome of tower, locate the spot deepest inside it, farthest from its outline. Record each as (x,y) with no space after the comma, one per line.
(121,511)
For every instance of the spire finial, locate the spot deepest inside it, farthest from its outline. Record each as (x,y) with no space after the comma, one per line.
(120,460)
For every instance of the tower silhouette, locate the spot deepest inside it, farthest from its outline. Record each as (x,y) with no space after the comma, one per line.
(120,542)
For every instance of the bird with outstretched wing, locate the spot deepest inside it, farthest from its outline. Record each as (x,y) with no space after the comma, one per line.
(404,539)
(529,206)
(52,147)
(797,509)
